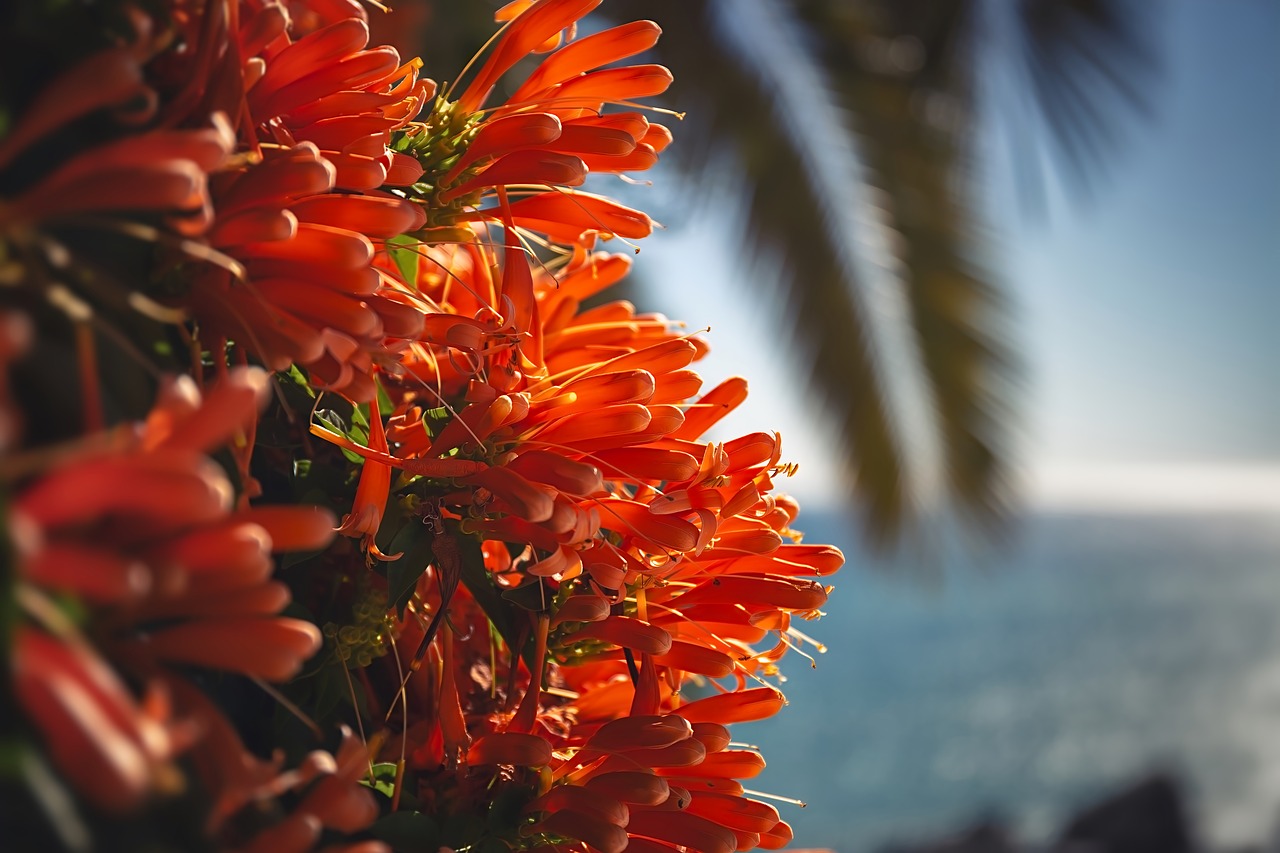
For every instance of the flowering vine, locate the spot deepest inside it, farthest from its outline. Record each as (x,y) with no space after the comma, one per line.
(342,513)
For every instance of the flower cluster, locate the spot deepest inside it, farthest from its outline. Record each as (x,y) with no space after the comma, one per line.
(273,292)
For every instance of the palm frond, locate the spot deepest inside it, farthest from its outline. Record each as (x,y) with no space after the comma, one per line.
(1082,66)
(787,218)
(902,71)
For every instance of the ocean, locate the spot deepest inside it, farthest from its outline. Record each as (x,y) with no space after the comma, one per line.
(1033,680)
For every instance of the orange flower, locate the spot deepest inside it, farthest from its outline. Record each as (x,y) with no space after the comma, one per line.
(115,750)
(158,175)
(371,494)
(550,133)
(146,538)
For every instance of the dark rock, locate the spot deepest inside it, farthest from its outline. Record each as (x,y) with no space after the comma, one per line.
(1148,817)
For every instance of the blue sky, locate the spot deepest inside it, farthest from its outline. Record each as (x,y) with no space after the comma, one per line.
(1148,317)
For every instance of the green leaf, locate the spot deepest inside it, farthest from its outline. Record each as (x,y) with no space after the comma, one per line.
(408,832)
(360,415)
(335,423)
(298,378)
(506,813)
(406,260)
(482,588)
(413,541)
(382,779)
(461,830)
(529,596)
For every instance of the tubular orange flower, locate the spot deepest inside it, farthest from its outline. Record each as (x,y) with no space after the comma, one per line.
(111,747)
(147,537)
(371,494)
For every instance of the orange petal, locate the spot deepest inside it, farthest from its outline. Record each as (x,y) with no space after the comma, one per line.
(103,79)
(658,532)
(563,561)
(521,497)
(627,632)
(515,748)
(274,649)
(754,590)
(640,731)
(534,26)
(613,85)
(321,245)
(504,135)
(569,476)
(292,528)
(82,724)
(714,736)
(686,753)
(645,464)
(369,215)
(741,706)
(587,800)
(777,837)
(737,813)
(628,786)
(711,407)
(691,657)
(533,166)
(731,763)
(683,829)
(696,785)
(581,608)
(565,215)
(597,833)
(313,51)
(588,53)
(99,576)
(601,423)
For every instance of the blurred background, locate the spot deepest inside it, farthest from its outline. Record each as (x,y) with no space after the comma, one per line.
(1003,274)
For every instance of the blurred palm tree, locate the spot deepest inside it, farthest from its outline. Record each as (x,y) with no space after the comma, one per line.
(852,128)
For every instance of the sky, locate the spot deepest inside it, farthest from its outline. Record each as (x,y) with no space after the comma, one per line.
(1148,315)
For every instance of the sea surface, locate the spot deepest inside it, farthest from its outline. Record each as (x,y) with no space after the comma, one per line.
(1028,681)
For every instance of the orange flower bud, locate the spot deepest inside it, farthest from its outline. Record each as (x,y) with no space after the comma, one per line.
(777,837)
(647,464)
(630,786)
(741,706)
(712,407)
(683,829)
(599,834)
(731,763)
(274,649)
(758,591)
(589,53)
(685,753)
(579,479)
(581,608)
(692,657)
(736,813)
(714,736)
(516,748)
(657,532)
(589,801)
(627,632)
(640,731)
